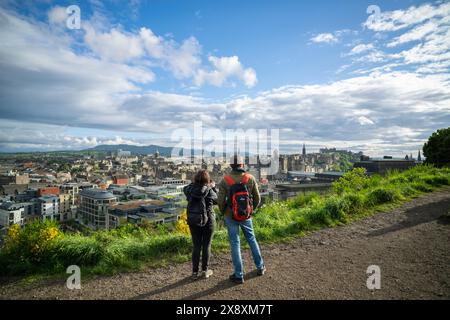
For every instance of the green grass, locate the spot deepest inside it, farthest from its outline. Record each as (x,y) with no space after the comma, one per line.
(131,248)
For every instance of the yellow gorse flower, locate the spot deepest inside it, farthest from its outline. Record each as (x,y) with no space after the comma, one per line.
(182,225)
(13,233)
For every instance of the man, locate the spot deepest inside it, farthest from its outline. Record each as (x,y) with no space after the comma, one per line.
(238,175)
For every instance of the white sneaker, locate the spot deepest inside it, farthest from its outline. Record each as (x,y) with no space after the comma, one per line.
(206,274)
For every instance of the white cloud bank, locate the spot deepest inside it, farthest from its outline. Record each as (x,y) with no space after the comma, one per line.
(49,87)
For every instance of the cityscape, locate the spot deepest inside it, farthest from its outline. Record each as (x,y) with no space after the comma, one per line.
(244,152)
(106,189)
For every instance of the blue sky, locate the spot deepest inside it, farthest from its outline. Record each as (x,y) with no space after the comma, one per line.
(138,70)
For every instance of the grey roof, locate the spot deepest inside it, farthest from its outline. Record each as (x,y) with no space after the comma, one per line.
(331,173)
(48,198)
(297,186)
(11,206)
(98,194)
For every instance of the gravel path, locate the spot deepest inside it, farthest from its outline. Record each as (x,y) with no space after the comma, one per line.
(410,244)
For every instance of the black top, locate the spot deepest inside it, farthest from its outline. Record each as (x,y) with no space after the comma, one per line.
(210,195)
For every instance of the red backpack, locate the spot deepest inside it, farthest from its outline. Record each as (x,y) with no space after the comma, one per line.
(239,198)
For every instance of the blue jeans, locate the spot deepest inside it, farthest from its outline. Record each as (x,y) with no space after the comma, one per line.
(233,237)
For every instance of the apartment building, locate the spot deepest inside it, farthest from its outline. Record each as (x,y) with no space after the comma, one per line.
(93,209)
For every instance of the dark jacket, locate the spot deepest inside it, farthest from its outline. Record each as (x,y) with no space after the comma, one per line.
(237,174)
(210,195)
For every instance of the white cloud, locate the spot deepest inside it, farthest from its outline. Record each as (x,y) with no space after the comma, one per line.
(182,60)
(153,44)
(224,68)
(394,112)
(114,45)
(57,15)
(400,19)
(416,38)
(364,121)
(360,48)
(418,33)
(185,60)
(324,38)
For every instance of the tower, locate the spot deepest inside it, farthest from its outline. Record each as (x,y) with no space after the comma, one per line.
(419,157)
(304,150)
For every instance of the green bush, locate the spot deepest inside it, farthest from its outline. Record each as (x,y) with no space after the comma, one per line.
(301,200)
(336,208)
(355,202)
(422,187)
(382,195)
(351,181)
(78,250)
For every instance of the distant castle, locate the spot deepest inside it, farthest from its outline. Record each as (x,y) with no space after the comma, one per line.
(410,157)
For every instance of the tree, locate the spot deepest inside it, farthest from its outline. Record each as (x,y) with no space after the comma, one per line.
(437,149)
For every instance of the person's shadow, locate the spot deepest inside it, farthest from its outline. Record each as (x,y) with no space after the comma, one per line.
(415,216)
(222,285)
(155,292)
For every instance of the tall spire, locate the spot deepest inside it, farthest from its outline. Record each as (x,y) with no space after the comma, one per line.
(419,157)
(304,150)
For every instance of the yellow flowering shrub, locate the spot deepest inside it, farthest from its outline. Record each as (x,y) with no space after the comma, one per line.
(12,236)
(182,225)
(33,240)
(46,236)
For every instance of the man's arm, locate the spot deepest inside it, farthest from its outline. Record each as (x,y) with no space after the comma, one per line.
(255,194)
(221,201)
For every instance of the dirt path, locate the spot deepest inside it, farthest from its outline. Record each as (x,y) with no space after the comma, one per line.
(410,244)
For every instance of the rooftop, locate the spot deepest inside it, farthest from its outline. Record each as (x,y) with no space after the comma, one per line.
(136,204)
(97,194)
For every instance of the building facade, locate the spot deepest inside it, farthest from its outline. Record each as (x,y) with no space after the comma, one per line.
(48,207)
(10,214)
(93,209)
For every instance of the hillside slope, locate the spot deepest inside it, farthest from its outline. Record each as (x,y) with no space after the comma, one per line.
(411,244)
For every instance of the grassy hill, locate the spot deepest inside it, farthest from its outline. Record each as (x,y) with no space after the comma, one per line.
(42,248)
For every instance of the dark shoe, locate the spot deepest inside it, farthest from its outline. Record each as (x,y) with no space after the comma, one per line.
(194,276)
(261,271)
(236,280)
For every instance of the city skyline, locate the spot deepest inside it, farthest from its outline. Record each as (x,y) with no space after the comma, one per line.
(324,74)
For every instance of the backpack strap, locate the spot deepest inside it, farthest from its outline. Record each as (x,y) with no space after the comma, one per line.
(245,178)
(229,180)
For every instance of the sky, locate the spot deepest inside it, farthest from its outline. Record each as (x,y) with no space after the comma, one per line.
(369,76)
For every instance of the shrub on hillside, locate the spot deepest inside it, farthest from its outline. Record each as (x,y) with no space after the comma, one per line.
(32,242)
(301,200)
(77,249)
(351,181)
(382,195)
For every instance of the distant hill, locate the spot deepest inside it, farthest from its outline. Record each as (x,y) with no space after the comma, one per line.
(135,150)
(141,150)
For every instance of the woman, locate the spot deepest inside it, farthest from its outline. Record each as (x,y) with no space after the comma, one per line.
(201,195)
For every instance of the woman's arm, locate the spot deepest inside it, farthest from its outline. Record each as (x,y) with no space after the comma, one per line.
(213,195)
